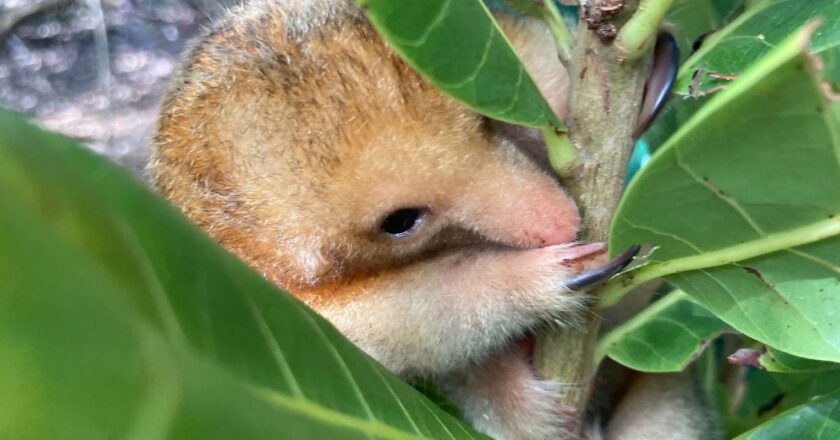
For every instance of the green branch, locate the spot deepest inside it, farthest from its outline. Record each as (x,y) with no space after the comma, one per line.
(636,35)
(614,290)
(561,152)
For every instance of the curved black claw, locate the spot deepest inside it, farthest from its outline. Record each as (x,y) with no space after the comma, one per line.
(589,279)
(663,74)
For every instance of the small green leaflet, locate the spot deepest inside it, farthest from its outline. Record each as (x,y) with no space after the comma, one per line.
(665,337)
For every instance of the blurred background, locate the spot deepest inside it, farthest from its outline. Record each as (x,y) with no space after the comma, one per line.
(95,70)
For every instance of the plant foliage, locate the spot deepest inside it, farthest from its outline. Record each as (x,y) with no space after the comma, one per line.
(119,319)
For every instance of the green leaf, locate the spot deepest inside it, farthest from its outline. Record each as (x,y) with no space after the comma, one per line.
(119,319)
(780,362)
(730,50)
(759,29)
(831,58)
(665,337)
(460,49)
(743,204)
(817,419)
(692,18)
(762,395)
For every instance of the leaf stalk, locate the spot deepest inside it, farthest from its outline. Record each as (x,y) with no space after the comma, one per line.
(561,152)
(636,36)
(615,289)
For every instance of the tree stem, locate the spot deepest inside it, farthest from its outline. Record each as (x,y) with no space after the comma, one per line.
(604,109)
(639,32)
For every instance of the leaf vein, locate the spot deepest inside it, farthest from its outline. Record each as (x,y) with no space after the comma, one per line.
(737,303)
(827,419)
(375,369)
(654,351)
(274,346)
(342,364)
(833,131)
(680,324)
(519,78)
(661,233)
(327,415)
(421,40)
(731,201)
(429,409)
(163,304)
(472,75)
(772,288)
(815,259)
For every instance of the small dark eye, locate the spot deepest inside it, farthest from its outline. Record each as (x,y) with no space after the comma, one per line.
(402,221)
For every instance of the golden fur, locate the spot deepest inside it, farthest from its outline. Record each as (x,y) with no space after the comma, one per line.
(255,95)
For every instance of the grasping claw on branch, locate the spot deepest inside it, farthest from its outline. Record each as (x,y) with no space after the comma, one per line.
(663,74)
(593,277)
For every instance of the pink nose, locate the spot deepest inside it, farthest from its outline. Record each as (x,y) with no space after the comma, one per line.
(542,215)
(555,222)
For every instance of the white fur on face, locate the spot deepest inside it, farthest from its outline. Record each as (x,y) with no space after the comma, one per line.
(310,259)
(443,315)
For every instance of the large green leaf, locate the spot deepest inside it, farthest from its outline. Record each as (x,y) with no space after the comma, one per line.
(665,337)
(818,419)
(743,202)
(118,319)
(457,45)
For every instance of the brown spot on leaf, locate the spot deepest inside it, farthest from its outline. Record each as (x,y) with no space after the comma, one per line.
(756,273)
